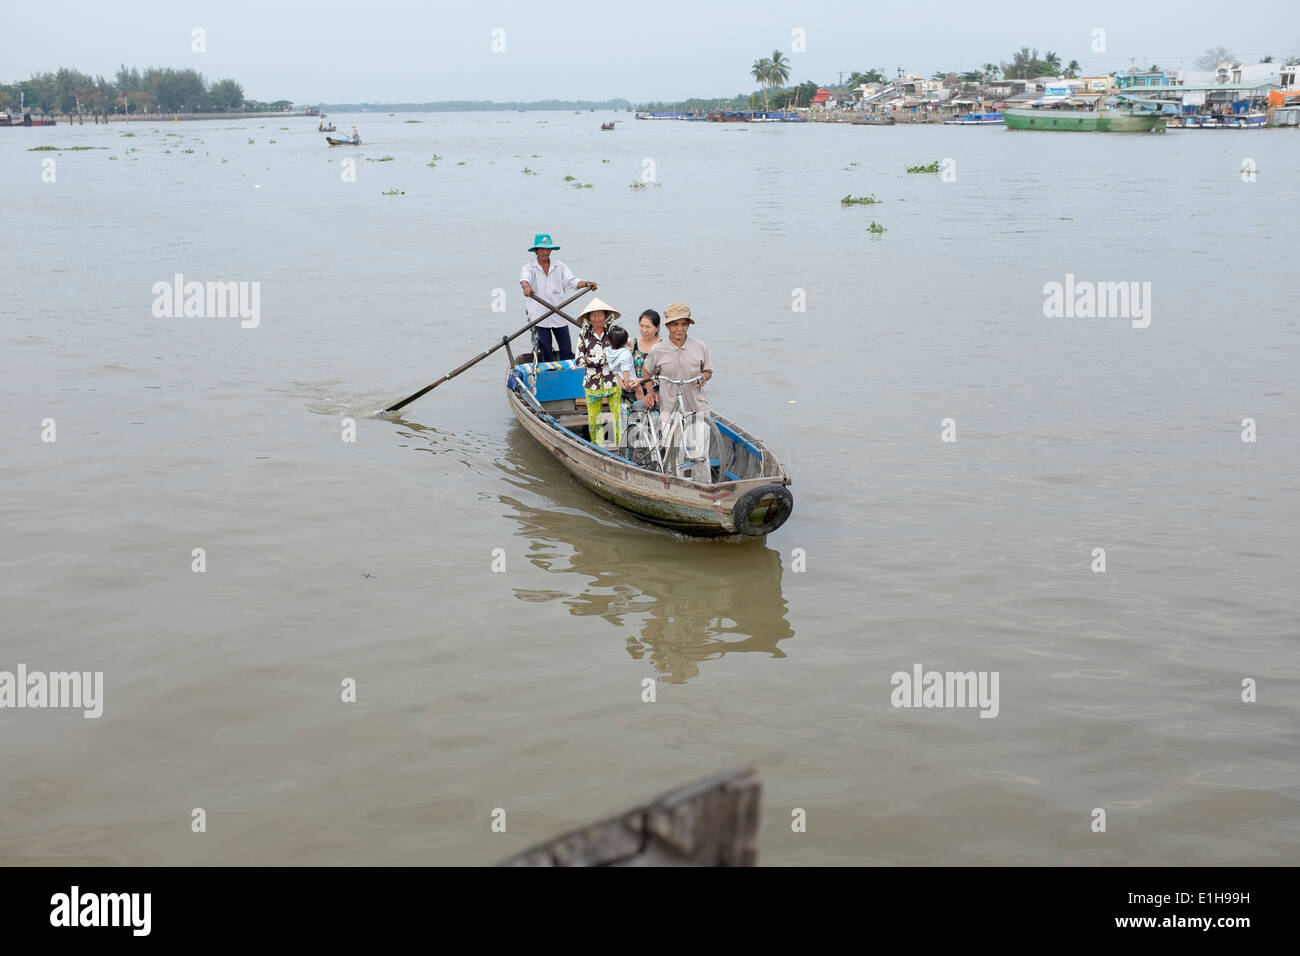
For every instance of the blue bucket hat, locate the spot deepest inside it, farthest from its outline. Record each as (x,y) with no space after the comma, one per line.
(542,241)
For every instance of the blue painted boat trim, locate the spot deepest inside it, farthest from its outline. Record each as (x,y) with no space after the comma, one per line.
(743,443)
(550,420)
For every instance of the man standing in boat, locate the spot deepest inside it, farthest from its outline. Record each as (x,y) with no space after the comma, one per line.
(550,279)
(682,358)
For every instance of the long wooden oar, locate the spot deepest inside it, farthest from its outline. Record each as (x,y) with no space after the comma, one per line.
(556,308)
(474,361)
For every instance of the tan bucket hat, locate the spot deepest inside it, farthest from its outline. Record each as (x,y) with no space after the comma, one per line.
(678,310)
(599,305)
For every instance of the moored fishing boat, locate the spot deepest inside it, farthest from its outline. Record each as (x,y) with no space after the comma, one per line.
(873,121)
(1085,121)
(749,494)
(976,119)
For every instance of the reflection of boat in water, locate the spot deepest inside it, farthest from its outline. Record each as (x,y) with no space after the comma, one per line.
(681,604)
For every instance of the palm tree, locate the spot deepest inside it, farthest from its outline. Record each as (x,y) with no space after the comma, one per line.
(778,70)
(1052,61)
(990,72)
(1072,71)
(762,71)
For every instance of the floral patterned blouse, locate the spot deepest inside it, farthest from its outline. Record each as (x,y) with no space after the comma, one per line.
(591,356)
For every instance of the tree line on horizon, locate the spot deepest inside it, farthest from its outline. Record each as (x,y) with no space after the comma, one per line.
(158,89)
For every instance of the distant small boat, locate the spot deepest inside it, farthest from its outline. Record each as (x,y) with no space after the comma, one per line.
(976,119)
(874,121)
(342,142)
(606,125)
(1253,120)
(327,129)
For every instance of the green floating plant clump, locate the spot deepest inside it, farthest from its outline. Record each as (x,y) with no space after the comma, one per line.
(859,200)
(932,168)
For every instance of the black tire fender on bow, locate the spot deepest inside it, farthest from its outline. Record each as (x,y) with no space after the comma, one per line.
(762,510)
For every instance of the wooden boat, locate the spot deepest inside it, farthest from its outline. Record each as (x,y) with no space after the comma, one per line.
(342,142)
(711,822)
(750,493)
(1249,120)
(606,125)
(976,119)
(873,121)
(1085,121)
(327,129)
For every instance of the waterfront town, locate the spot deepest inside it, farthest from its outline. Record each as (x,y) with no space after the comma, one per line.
(1232,95)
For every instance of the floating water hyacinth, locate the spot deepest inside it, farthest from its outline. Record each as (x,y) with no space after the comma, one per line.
(859,200)
(393,192)
(61,149)
(381,159)
(875,228)
(932,168)
(528,172)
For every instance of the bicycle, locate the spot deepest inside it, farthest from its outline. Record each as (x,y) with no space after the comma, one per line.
(675,429)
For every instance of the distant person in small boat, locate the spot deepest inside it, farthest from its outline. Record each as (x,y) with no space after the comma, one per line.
(647,338)
(599,384)
(551,279)
(356,137)
(681,358)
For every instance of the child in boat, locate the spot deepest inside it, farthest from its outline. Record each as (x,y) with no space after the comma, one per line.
(619,357)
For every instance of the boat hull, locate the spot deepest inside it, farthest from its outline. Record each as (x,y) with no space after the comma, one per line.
(341,142)
(1083,121)
(707,510)
(977,119)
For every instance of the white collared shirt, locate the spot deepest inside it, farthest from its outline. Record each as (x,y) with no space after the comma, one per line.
(551,286)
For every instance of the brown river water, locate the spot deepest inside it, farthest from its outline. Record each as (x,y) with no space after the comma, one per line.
(522,689)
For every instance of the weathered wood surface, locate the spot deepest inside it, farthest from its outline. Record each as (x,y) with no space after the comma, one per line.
(711,822)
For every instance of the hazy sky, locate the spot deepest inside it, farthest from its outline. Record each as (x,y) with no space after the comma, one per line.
(418,50)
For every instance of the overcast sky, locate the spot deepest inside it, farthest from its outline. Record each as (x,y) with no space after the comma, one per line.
(420,50)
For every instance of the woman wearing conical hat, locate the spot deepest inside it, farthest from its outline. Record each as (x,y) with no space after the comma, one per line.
(599,383)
